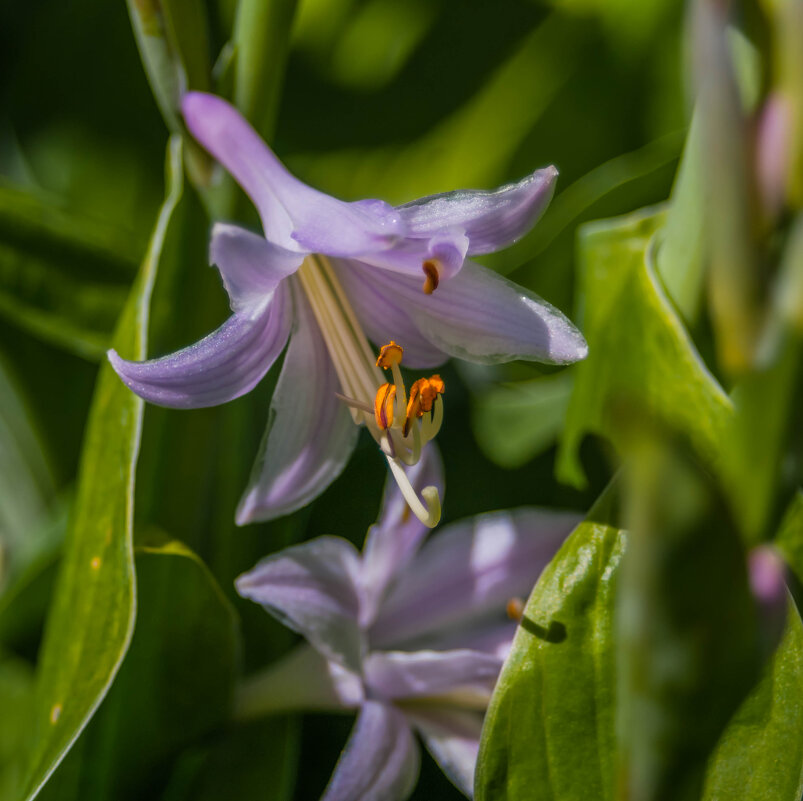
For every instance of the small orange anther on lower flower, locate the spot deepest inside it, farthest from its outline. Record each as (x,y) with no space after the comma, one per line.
(422,396)
(515,609)
(389,355)
(383,406)
(431,276)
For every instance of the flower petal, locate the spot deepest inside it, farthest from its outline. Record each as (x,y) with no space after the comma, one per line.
(482,317)
(493,635)
(468,570)
(383,316)
(447,248)
(380,761)
(224,365)
(310,433)
(251,266)
(314,589)
(396,536)
(452,737)
(292,213)
(422,674)
(302,680)
(490,220)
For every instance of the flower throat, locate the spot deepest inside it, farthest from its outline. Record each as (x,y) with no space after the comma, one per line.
(401,425)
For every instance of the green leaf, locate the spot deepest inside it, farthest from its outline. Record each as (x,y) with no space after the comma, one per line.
(549,731)
(534,409)
(736,281)
(173,690)
(680,259)
(261,44)
(63,278)
(172,40)
(16,701)
(639,351)
(760,755)
(92,617)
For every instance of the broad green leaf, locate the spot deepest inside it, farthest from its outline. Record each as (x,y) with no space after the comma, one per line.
(549,731)
(760,755)
(639,351)
(173,690)
(534,410)
(63,278)
(92,616)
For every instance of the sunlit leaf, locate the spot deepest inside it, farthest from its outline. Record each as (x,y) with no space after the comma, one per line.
(92,617)
(550,732)
(639,351)
(173,690)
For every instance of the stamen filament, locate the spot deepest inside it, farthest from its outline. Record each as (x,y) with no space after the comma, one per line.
(429,514)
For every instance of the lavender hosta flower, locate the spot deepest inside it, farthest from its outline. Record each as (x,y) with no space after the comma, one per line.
(330,275)
(410,634)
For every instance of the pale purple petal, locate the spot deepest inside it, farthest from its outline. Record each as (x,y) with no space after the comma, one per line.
(491,636)
(481,317)
(314,589)
(380,761)
(222,366)
(468,570)
(398,675)
(452,737)
(303,680)
(310,433)
(447,248)
(251,267)
(396,536)
(384,317)
(291,211)
(490,220)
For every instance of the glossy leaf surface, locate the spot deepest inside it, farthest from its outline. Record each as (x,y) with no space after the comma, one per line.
(92,617)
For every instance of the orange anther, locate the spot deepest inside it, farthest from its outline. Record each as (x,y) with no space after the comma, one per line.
(383,406)
(515,609)
(389,355)
(422,395)
(431,276)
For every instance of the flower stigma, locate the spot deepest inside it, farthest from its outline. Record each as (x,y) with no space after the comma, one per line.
(400,427)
